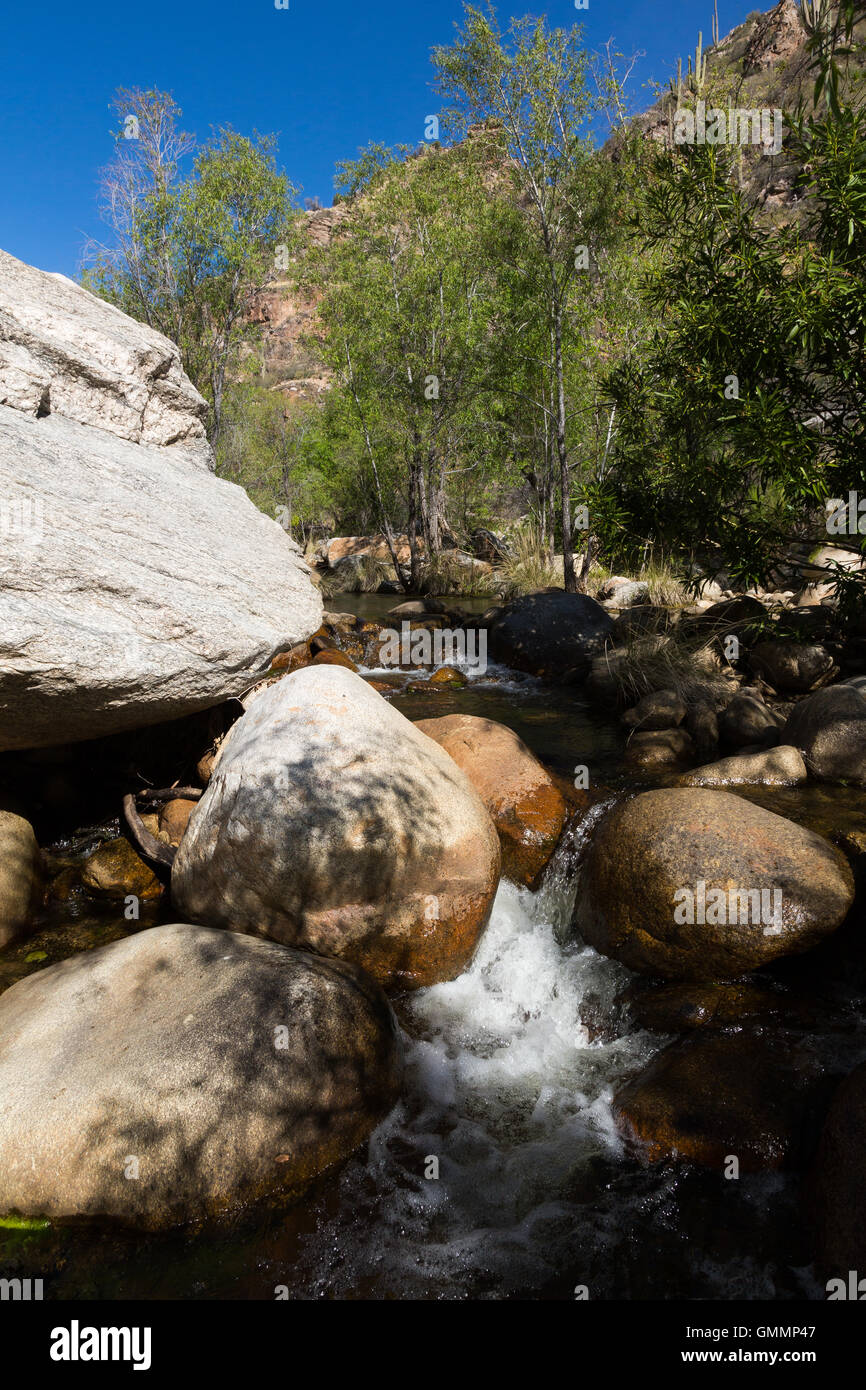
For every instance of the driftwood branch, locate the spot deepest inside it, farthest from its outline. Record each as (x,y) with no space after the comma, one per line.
(150,848)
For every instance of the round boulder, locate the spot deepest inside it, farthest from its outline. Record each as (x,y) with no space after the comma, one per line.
(552,634)
(330,821)
(697,884)
(829,728)
(525,804)
(182,1072)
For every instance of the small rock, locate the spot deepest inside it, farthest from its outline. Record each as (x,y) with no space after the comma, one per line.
(173,818)
(748,719)
(294,659)
(663,709)
(114,870)
(659,748)
(327,657)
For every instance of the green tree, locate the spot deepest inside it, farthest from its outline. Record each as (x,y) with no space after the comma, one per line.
(409,309)
(534,85)
(745,414)
(191,251)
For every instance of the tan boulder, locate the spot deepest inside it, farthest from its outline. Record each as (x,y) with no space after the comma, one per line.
(697,884)
(20,876)
(526,806)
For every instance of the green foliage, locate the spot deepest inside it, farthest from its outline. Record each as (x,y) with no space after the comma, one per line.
(190,252)
(745,412)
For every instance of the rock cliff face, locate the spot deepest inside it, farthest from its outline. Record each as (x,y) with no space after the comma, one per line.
(134,585)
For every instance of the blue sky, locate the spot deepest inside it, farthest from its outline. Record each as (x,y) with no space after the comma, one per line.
(327,75)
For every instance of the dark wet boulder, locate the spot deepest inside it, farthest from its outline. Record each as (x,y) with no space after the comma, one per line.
(748,719)
(552,634)
(684,1006)
(829,728)
(733,615)
(697,884)
(756,1096)
(838,1186)
(797,667)
(183,1072)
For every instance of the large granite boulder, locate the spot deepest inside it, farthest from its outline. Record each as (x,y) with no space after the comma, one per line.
(551,634)
(183,1072)
(698,884)
(330,821)
(65,352)
(135,586)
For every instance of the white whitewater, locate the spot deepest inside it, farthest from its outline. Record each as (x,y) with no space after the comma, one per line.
(505,1089)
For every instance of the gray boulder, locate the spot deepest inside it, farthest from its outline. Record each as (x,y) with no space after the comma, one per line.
(829,728)
(182,1072)
(135,586)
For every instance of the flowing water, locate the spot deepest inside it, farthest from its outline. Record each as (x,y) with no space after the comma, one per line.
(501,1173)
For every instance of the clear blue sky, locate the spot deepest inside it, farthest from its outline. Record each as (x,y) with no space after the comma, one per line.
(327,75)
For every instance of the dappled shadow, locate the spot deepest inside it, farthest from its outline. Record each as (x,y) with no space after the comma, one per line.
(357,839)
(173,1059)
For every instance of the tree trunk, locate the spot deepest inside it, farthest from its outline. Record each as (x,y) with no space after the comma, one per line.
(562,455)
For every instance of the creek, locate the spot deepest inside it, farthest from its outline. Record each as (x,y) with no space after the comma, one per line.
(500,1173)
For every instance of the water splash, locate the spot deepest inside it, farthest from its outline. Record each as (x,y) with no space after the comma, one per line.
(507,1096)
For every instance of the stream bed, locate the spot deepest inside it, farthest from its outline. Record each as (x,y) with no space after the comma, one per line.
(501,1173)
